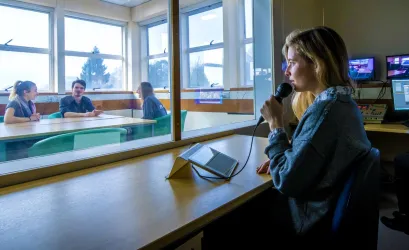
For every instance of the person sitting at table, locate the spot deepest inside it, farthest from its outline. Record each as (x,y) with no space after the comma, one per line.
(78,105)
(152,107)
(21,107)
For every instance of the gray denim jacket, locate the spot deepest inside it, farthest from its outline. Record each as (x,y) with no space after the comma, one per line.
(329,138)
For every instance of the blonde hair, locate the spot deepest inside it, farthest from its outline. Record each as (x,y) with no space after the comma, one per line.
(326,50)
(19,87)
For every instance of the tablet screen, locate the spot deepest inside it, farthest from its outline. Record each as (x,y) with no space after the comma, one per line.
(203,155)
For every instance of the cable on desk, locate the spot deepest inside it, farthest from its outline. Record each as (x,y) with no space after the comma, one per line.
(238,172)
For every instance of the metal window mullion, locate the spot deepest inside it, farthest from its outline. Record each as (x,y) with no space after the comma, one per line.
(174,52)
(51,84)
(23,49)
(87,54)
(202,7)
(154,22)
(206,47)
(187,53)
(157,56)
(248,40)
(124,58)
(247,76)
(59,47)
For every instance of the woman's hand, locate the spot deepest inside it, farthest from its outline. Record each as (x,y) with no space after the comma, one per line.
(272,111)
(97,112)
(264,168)
(35,117)
(89,114)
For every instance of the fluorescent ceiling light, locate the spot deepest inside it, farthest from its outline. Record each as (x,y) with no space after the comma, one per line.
(127,3)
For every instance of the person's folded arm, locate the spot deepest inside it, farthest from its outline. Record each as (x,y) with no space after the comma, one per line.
(9,117)
(73,114)
(295,167)
(65,110)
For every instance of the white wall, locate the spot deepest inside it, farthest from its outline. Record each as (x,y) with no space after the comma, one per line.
(48,3)
(99,8)
(301,14)
(371,27)
(89,7)
(289,15)
(156,8)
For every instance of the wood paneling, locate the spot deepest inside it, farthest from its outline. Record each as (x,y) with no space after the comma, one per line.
(215,89)
(47,108)
(244,106)
(105,92)
(117,104)
(228,106)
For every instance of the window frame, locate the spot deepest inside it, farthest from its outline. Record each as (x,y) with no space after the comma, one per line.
(156,56)
(246,41)
(35,50)
(51,165)
(124,50)
(189,50)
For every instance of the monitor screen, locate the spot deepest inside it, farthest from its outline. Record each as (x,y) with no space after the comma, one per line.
(400,94)
(362,69)
(397,66)
(284,65)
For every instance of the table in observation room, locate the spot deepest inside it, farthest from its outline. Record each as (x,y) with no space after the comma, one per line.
(64,120)
(50,127)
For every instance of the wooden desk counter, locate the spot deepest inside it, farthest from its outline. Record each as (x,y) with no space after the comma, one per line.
(15,132)
(126,205)
(387,128)
(390,139)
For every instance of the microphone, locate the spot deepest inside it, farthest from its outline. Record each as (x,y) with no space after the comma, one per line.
(283,90)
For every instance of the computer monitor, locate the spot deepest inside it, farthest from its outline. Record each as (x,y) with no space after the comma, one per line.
(284,65)
(362,69)
(397,66)
(400,94)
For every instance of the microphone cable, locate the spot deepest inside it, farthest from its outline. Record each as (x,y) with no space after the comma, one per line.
(283,91)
